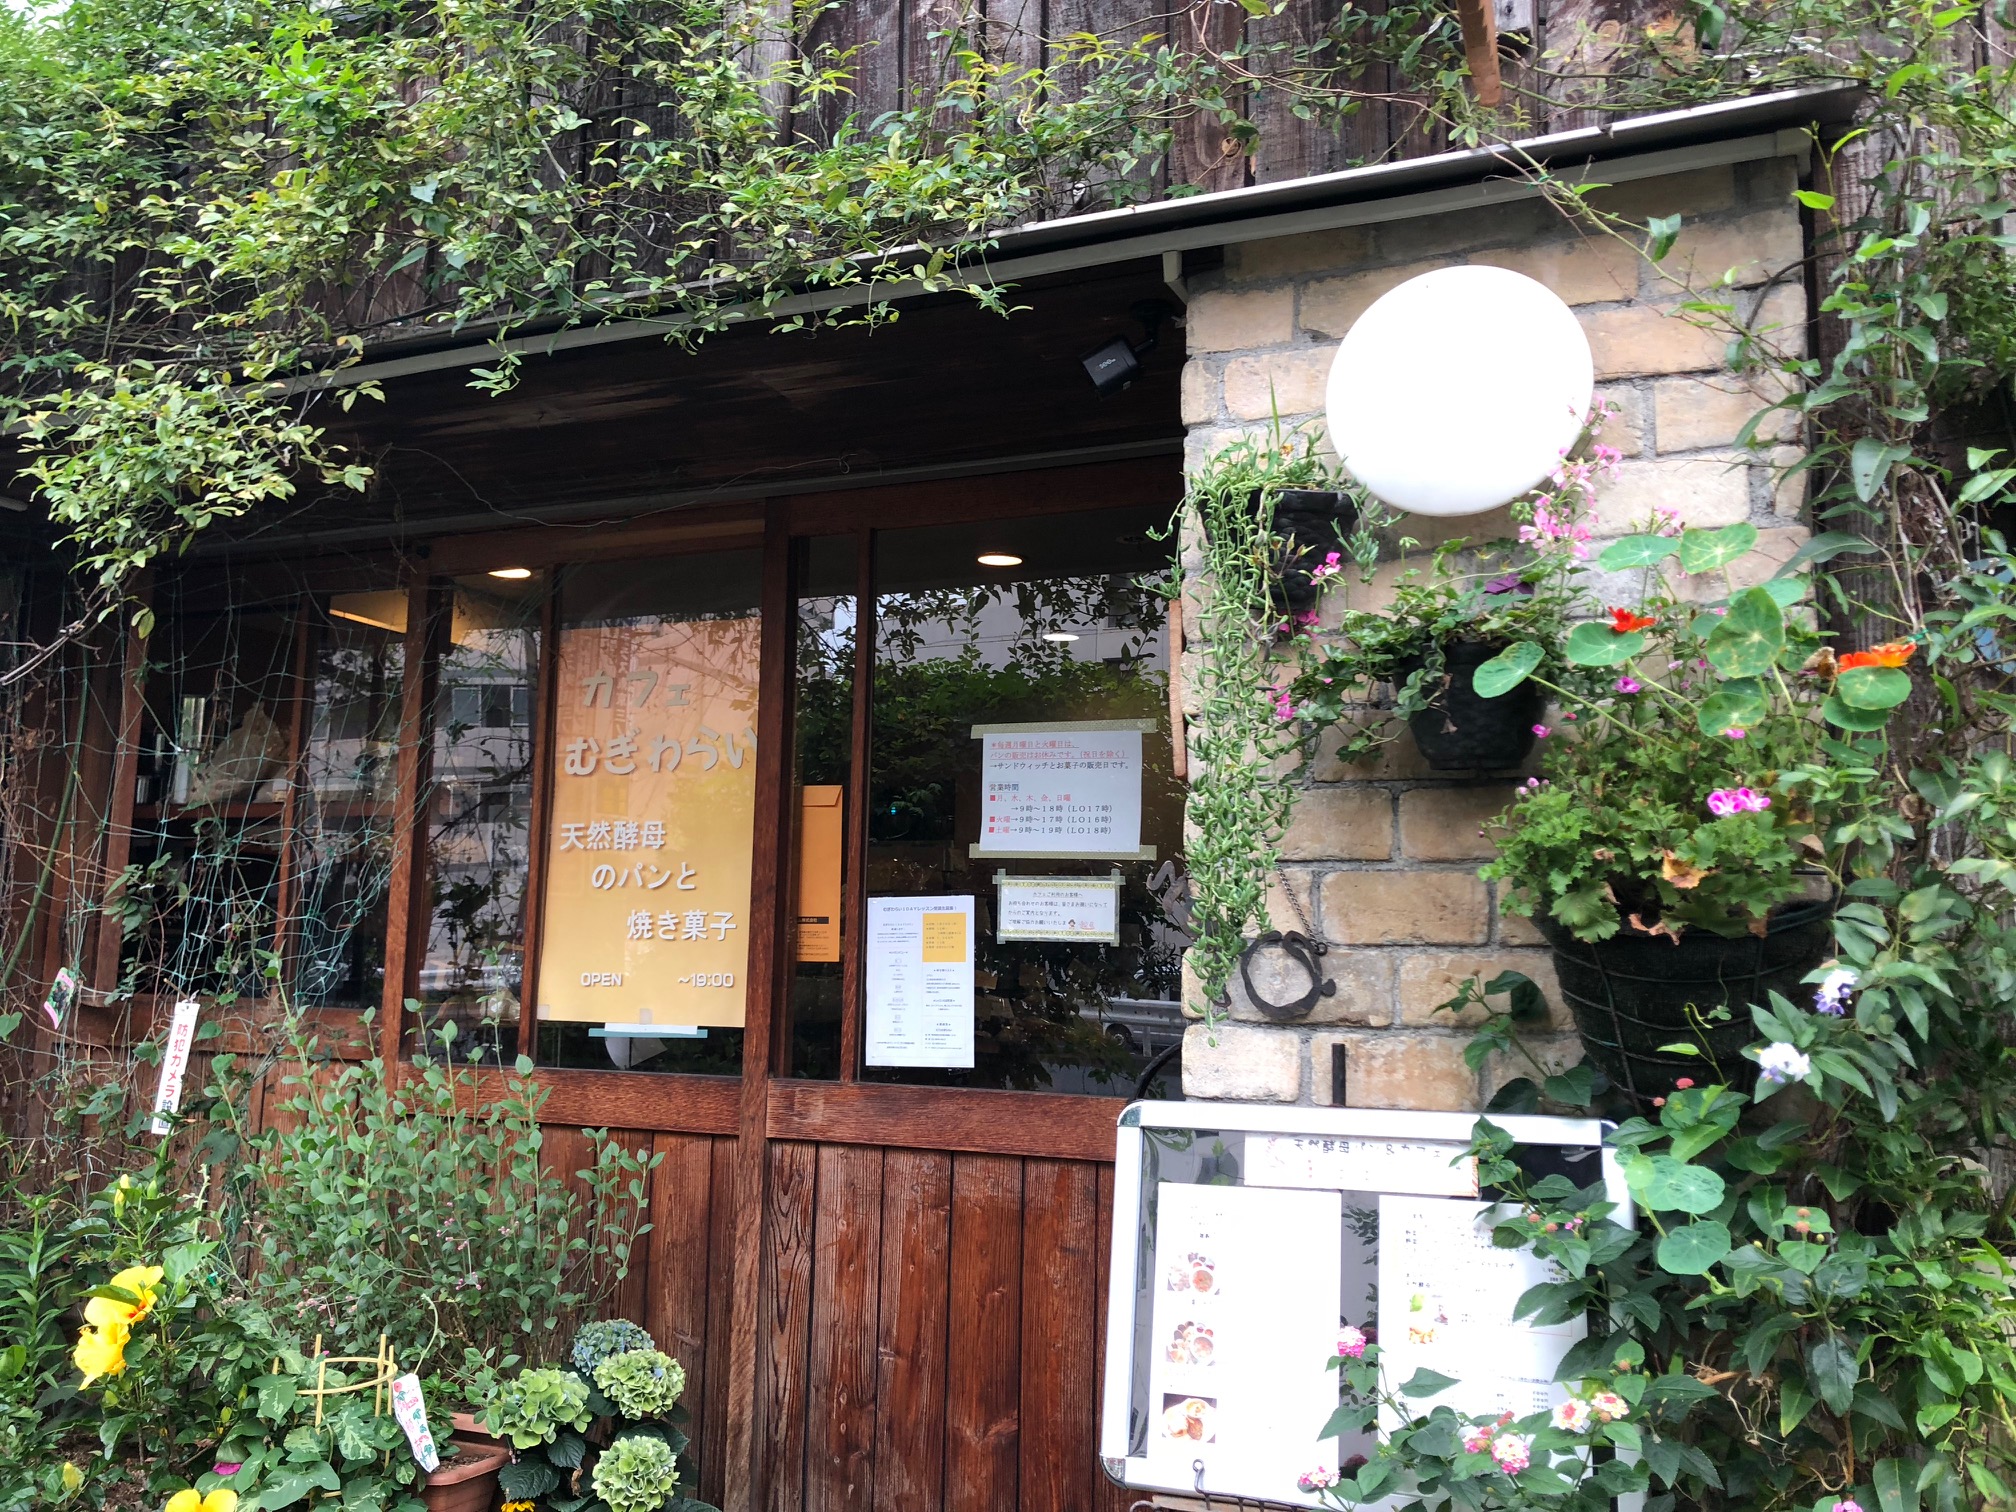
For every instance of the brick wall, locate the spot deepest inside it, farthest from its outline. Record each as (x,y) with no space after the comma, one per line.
(1383,857)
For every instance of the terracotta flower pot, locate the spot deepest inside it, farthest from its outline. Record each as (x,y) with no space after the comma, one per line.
(468,1482)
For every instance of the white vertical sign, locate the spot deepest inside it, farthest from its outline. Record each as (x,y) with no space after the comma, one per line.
(174,1062)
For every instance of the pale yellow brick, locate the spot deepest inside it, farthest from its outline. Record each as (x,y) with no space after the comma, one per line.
(1348,823)
(1404,908)
(1201,388)
(1432,530)
(1517,929)
(1594,270)
(1278,383)
(1708,491)
(1223,320)
(1444,824)
(1780,320)
(1747,250)
(1332,305)
(1386,1068)
(1363,980)
(1690,413)
(1624,432)
(1429,979)
(1788,488)
(1758,565)
(1397,756)
(1555,1052)
(1289,887)
(1699,192)
(1290,256)
(1645,339)
(1244,1062)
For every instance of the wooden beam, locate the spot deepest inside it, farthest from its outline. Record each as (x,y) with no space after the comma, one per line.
(1049,1125)
(104,974)
(746,1467)
(1480,49)
(406,897)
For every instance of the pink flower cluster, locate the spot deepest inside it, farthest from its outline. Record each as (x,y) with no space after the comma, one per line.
(1550,525)
(1284,706)
(1351,1342)
(1512,1451)
(1319,1479)
(1332,565)
(1724,802)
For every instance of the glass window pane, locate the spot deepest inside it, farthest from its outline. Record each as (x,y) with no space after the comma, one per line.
(479,818)
(643,954)
(201,893)
(1062,636)
(344,812)
(823,718)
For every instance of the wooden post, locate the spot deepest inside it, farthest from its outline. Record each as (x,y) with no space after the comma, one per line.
(1480,49)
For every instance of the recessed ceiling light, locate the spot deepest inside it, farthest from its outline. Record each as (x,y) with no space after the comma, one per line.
(514,573)
(1060,637)
(999,559)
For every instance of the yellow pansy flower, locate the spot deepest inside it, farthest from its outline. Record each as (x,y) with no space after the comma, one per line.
(101,1349)
(141,1281)
(219,1500)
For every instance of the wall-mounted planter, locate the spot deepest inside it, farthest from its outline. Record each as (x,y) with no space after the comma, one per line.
(1462,732)
(1633,993)
(1315,522)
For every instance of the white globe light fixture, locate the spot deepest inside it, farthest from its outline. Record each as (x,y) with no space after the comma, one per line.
(1458,391)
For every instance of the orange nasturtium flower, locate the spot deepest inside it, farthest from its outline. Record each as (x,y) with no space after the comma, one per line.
(1889,654)
(1623,621)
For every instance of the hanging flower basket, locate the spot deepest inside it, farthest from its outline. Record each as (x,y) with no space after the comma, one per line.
(1635,993)
(1462,731)
(1314,522)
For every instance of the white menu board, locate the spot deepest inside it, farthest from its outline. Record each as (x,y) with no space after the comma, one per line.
(920,982)
(1064,790)
(1447,1296)
(1241,1270)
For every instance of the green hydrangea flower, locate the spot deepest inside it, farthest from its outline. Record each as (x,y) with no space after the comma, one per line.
(637,1474)
(611,1336)
(532,1408)
(643,1383)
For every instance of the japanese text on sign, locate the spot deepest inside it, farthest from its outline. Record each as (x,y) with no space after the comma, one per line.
(1062,792)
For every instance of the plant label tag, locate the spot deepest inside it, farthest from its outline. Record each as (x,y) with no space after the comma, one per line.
(62,993)
(174,1062)
(409,1408)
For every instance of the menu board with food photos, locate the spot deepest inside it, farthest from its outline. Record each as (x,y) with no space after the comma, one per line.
(1241,1269)
(1254,1243)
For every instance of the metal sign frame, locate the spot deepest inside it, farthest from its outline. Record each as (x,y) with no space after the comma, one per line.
(1260,1118)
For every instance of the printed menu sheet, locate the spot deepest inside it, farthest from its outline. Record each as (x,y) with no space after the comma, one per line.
(1246,1299)
(1061,792)
(1446,1300)
(1085,910)
(920,982)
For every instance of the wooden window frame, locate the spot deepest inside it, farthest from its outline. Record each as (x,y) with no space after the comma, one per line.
(761,1104)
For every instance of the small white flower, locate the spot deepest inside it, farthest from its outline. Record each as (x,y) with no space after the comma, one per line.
(1513,1451)
(1832,996)
(1609,1406)
(1783,1063)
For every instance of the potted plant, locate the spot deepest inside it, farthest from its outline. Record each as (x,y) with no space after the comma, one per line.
(1472,601)
(602,1433)
(1704,786)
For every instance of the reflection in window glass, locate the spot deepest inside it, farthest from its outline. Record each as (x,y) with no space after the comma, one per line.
(823,716)
(643,954)
(344,810)
(201,893)
(479,818)
(1070,632)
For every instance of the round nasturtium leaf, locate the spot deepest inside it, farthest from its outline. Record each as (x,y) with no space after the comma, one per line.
(1747,641)
(1664,1183)
(1506,670)
(1873,687)
(1695,1249)
(1738,705)
(1597,645)
(1705,550)
(1636,551)
(1848,717)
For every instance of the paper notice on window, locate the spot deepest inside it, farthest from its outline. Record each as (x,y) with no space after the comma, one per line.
(1432,1167)
(1060,792)
(920,982)
(1446,1301)
(1081,909)
(1246,1296)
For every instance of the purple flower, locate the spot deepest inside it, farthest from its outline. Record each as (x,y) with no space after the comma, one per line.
(1831,998)
(227,1470)
(1542,731)
(1509,582)
(1779,1063)
(1736,734)
(1629,684)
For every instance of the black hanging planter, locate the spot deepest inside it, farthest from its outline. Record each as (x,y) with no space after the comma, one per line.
(1631,993)
(1314,523)
(1462,732)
